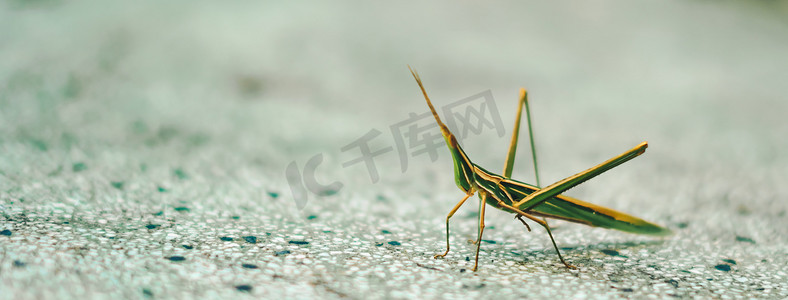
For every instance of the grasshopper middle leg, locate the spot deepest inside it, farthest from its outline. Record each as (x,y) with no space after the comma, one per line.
(451,213)
(482,205)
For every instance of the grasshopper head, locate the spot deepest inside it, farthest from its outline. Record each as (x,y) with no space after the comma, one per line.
(463,168)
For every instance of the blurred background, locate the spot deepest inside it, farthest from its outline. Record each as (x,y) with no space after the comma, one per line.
(200,118)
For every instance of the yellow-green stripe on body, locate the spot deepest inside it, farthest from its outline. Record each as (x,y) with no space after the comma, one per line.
(578,211)
(548,202)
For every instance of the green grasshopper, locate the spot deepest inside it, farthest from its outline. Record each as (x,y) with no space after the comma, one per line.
(525,200)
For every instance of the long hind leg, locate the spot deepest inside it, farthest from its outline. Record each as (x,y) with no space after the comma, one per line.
(546,227)
(520,214)
(510,155)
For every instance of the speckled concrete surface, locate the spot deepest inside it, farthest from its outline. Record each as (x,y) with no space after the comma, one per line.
(144,148)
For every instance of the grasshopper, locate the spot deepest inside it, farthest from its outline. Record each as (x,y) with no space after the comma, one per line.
(529,201)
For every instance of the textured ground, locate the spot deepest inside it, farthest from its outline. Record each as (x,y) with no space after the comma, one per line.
(144,148)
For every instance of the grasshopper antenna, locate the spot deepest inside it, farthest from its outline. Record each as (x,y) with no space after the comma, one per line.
(444,130)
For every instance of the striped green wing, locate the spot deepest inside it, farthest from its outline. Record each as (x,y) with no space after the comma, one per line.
(559,187)
(578,211)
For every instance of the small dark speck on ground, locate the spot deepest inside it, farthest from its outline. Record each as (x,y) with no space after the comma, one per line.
(725,268)
(730,261)
(378,244)
(673,282)
(462,270)
(236,217)
(152,226)
(475,287)
(311,217)
(6,232)
(161,189)
(385,231)
(250,239)
(249,86)
(19,264)
(56,171)
(176,258)
(189,247)
(682,225)
(147,293)
(117,184)
(427,267)
(249,266)
(273,194)
(182,209)
(744,239)
(299,242)
(612,252)
(159,213)
(394,243)
(743,210)
(327,192)
(198,139)
(467,258)
(489,241)
(41,145)
(226,239)
(164,134)
(628,290)
(180,174)
(244,288)
(79,167)
(283,252)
